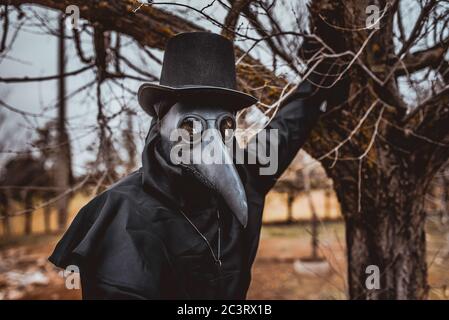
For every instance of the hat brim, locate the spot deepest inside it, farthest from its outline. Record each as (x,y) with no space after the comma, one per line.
(151,93)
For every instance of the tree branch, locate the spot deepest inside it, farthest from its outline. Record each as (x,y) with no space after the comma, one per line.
(431,57)
(45,78)
(429,103)
(232,18)
(5,28)
(153,27)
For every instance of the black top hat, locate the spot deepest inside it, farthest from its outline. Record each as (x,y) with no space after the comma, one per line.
(199,65)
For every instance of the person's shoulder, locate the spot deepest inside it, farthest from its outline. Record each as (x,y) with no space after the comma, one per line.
(129,188)
(130,192)
(130,183)
(124,208)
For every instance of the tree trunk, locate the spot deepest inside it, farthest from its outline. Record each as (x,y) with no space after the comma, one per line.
(63,157)
(129,144)
(445,195)
(314,220)
(28,213)
(380,186)
(6,225)
(327,204)
(47,217)
(5,215)
(290,199)
(314,237)
(385,223)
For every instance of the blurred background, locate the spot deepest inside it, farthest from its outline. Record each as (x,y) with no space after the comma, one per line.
(301,255)
(370,187)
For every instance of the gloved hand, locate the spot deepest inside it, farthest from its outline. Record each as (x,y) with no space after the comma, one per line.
(322,83)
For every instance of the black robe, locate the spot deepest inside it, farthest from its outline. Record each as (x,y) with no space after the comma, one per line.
(133,241)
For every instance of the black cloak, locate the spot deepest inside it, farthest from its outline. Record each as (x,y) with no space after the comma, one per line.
(133,240)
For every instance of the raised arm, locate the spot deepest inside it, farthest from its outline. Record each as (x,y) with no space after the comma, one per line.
(294,121)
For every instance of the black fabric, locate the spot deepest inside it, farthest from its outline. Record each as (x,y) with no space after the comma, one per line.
(132,241)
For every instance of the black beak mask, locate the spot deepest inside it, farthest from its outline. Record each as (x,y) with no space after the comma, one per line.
(197,138)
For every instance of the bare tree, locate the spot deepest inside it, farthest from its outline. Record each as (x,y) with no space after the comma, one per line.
(23,180)
(129,142)
(62,171)
(314,220)
(387,150)
(380,148)
(292,189)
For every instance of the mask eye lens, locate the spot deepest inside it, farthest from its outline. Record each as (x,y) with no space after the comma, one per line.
(227,127)
(193,127)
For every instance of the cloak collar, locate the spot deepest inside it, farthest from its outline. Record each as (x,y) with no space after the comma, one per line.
(159,176)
